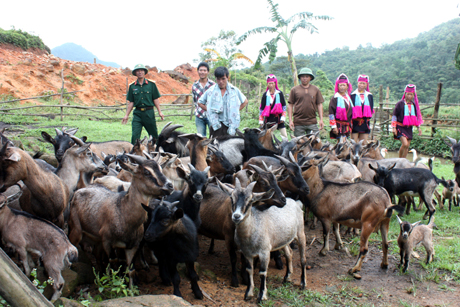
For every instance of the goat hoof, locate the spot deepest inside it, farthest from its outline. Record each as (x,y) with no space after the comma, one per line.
(357,276)
(384,266)
(425,217)
(323,253)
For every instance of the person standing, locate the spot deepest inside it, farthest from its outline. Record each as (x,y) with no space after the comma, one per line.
(142,95)
(406,115)
(223,103)
(304,101)
(198,88)
(363,109)
(341,109)
(273,106)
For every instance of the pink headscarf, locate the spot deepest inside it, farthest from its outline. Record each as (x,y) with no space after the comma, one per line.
(364,78)
(411,88)
(342,79)
(272,78)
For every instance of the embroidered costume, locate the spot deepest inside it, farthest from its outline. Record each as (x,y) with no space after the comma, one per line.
(406,115)
(363,108)
(341,110)
(272,106)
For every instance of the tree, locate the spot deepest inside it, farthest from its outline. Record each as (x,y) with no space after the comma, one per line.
(284,30)
(221,50)
(457,57)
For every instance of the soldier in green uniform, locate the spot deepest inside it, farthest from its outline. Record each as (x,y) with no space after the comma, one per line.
(142,95)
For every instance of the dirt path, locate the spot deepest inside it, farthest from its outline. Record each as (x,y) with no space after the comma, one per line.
(328,276)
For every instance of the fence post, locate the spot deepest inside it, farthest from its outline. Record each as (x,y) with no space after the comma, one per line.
(375,116)
(16,288)
(436,109)
(192,107)
(62,94)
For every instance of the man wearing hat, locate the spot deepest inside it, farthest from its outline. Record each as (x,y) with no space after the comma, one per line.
(304,101)
(143,94)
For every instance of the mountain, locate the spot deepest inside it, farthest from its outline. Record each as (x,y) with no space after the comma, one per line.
(424,61)
(74,52)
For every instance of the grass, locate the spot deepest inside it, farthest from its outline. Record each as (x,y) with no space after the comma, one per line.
(445,267)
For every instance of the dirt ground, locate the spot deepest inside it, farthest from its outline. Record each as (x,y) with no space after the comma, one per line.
(328,275)
(32,73)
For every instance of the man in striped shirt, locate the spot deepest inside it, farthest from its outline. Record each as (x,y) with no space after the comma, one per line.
(198,89)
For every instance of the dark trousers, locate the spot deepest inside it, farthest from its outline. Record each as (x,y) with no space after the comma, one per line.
(144,119)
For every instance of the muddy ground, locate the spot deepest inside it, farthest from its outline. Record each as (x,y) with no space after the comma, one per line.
(328,276)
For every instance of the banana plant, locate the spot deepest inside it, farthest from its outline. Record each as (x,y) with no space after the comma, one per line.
(284,31)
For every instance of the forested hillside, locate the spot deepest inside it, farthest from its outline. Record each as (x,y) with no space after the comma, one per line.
(425,61)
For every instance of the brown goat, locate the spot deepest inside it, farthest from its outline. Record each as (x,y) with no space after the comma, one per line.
(27,234)
(361,205)
(450,193)
(410,236)
(49,192)
(116,220)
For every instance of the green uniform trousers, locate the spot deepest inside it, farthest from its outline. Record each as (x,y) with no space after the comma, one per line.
(143,119)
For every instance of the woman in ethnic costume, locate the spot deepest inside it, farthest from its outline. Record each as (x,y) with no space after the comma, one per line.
(406,115)
(273,106)
(363,109)
(341,109)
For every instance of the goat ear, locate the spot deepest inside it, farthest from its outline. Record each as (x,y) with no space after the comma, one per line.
(206,142)
(84,138)
(181,173)
(452,141)
(48,138)
(283,176)
(128,167)
(371,167)
(238,132)
(178,214)
(225,187)
(263,196)
(15,157)
(170,140)
(415,224)
(392,167)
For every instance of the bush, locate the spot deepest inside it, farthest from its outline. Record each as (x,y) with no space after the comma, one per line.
(22,39)
(112,285)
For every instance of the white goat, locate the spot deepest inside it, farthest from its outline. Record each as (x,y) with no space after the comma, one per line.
(260,232)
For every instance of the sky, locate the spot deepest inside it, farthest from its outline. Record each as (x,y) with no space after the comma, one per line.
(166,34)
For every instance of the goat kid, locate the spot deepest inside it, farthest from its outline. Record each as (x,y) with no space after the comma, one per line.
(27,234)
(410,236)
(260,232)
(173,237)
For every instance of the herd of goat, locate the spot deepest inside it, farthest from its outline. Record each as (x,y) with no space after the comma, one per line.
(250,190)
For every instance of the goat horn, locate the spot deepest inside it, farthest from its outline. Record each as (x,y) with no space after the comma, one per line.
(291,156)
(192,168)
(147,155)
(77,140)
(58,132)
(399,220)
(265,165)
(283,160)
(170,128)
(256,168)
(136,159)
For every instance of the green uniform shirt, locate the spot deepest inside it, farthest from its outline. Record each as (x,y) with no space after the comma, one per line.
(144,94)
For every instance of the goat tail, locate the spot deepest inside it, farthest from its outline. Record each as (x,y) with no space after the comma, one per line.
(431,223)
(440,181)
(389,211)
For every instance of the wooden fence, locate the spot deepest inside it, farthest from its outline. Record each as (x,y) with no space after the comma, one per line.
(382,118)
(100,112)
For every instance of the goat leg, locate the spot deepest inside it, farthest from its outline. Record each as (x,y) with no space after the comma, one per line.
(250,289)
(325,249)
(384,227)
(338,239)
(276,255)
(172,267)
(288,256)
(264,259)
(211,247)
(194,280)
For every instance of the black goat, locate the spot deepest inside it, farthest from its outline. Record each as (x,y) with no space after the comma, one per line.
(192,194)
(61,142)
(455,149)
(252,145)
(173,237)
(408,182)
(171,142)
